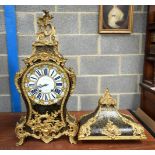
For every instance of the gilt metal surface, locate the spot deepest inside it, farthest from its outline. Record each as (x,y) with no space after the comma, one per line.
(51,121)
(107,123)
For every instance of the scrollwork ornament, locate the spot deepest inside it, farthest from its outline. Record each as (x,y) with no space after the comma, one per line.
(111,130)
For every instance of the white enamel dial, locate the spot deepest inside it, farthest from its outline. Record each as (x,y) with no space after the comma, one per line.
(45,84)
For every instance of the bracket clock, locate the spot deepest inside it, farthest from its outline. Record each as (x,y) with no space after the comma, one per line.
(45,84)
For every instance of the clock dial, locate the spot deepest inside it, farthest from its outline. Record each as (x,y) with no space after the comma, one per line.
(45,84)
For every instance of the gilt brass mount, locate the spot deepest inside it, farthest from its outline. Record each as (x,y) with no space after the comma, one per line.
(46,85)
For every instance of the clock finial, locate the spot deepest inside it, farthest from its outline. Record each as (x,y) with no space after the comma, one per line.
(107,99)
(46,31)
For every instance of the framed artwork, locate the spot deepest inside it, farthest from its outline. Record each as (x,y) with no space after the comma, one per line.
(115,19)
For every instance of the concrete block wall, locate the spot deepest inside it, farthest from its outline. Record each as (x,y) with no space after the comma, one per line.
(99,60)
(5,105)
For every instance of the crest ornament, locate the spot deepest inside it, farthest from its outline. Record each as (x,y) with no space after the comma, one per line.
(45,84)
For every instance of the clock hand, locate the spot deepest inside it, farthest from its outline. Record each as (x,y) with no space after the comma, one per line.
(40,86)
(44,85)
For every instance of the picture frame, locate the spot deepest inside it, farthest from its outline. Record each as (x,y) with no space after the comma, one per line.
(116,18)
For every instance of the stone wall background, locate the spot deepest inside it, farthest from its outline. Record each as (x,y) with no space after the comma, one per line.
(100,60)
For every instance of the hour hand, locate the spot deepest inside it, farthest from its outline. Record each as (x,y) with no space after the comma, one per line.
(40,86)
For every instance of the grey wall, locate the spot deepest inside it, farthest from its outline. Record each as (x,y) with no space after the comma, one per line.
(100,60)
(4,77)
